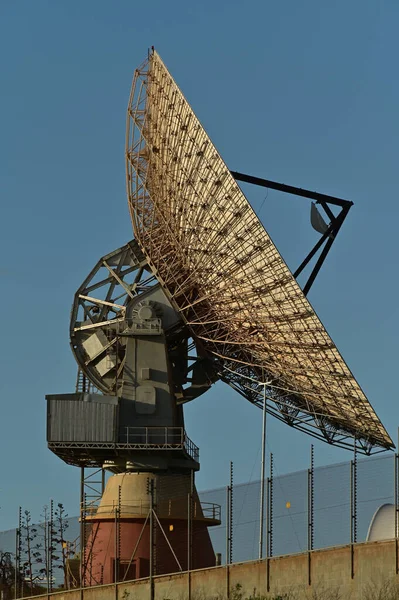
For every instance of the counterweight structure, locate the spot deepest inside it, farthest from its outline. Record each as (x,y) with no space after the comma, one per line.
(201,294)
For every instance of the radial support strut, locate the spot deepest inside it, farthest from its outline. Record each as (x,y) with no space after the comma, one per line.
(324,200)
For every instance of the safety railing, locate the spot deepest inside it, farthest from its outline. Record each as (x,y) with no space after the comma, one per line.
(166,508)
(160,438)
(211,510)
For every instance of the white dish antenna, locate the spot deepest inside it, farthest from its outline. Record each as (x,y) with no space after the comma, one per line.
(382,526)
(222,273)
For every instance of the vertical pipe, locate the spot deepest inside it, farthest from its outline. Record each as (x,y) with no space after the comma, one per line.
(262,476)
(102,481)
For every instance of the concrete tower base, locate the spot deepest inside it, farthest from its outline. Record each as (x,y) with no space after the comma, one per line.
(118,545)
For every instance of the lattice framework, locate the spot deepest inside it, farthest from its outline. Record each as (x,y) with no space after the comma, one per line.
(221,270)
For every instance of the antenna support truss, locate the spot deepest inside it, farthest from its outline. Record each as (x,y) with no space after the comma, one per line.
(327,238)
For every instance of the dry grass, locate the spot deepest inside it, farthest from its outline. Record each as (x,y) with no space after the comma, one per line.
(381,590)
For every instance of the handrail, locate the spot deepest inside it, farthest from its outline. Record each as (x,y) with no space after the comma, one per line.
(169,438)
(170,507)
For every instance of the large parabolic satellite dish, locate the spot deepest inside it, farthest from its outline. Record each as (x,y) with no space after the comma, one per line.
(223,274)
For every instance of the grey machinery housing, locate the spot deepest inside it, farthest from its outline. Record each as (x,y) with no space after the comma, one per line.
(137,366)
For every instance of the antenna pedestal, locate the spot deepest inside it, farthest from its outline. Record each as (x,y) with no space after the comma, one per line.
(119,542)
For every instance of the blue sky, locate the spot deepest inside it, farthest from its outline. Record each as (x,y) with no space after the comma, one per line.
(300,92)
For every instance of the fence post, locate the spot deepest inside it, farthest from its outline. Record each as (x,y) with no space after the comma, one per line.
(189,532)
(271,508)
(118,534)
(262,477)
(231,514)
(310,513)
(269,531)
(18,555)
(353,509)
(227,540)
(50,542)
(229,530)
(151,493)
(116,542)
(396,460)
(82,565)
(351,515)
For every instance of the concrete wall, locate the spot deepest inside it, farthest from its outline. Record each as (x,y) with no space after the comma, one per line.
(330,572)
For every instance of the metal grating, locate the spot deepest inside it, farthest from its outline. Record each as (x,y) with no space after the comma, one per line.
(223,273)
